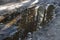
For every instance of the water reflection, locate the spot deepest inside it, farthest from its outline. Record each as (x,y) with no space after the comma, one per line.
(28,20)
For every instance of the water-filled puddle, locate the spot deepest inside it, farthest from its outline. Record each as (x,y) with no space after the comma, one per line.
(27,21)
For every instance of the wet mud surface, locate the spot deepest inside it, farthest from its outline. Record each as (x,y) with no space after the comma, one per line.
(51,31)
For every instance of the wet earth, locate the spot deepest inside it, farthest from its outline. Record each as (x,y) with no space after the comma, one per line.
(51,30)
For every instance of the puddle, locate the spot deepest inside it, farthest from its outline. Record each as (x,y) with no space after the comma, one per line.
(28,20)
